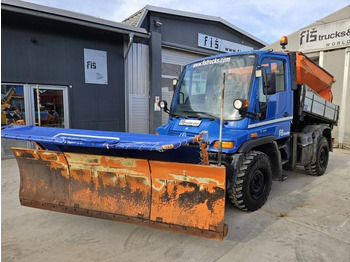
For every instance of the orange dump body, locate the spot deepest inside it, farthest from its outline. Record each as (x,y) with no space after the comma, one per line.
(186,198)
(314,76)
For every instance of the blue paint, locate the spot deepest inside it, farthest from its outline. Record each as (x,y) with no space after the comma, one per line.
(237,128)
(54,137)
(278,118)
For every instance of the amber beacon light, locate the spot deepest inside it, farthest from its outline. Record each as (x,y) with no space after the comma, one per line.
(284,42)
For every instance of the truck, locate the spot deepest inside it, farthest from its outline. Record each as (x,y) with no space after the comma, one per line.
(237,121)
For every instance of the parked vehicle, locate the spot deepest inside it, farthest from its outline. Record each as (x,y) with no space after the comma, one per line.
(235,122)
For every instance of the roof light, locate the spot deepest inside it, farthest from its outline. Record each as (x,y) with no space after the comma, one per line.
(284,42)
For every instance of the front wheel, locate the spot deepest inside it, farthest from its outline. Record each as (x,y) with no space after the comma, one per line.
(253,182)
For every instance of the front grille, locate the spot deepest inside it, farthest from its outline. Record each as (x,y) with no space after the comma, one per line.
(179,133)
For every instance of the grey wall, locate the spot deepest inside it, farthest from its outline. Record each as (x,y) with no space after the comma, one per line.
(185,32)
(58,59)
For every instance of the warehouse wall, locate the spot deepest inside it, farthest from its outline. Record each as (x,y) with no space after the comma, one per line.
(57,58)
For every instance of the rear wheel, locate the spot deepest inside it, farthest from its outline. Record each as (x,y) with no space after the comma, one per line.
(318,167)
(253,182)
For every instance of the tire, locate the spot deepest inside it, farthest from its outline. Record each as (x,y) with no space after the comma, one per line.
(318,167)
(253,182)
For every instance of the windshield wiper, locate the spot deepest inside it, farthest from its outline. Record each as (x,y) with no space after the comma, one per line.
(211,117)
(178,115)
(207,114)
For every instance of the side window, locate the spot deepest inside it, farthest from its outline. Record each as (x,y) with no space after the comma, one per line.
(277,67)
(263,98)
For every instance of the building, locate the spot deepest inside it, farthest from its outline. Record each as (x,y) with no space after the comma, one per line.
(73,63)
(327,43)
(176,38)
(66,69)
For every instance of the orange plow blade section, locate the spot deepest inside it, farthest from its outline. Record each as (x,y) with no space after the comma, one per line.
(190,196)
(110,184)
(180,197)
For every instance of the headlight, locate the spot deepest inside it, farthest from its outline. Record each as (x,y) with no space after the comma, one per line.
(240,104)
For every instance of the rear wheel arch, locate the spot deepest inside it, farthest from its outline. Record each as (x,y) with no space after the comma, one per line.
(327,133)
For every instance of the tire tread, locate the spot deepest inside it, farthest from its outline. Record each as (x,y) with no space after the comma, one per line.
(235,193)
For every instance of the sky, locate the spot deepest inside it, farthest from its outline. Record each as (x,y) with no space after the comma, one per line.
(267,20)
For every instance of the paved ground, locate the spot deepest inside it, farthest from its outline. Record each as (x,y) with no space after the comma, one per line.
(305,219)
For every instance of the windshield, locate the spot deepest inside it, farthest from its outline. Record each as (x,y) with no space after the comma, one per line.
(200,90)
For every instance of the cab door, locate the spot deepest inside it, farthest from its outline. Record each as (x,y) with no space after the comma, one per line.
(276,110)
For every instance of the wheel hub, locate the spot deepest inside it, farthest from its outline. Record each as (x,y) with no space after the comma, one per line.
(323,158)
(257,184)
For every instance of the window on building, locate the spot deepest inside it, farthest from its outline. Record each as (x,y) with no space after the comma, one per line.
(12,104)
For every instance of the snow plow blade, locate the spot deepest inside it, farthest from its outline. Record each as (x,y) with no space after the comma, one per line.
(181,197)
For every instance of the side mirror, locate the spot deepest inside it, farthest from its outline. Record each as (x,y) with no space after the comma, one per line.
(164,105)
(175,82)
(269,83)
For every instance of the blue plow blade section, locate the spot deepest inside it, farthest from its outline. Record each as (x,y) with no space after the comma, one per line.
(145,146)
(98,139)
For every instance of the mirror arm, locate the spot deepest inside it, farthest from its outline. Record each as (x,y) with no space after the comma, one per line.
(245,113)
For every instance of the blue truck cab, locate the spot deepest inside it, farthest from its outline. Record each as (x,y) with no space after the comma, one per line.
(255,114)
(196,103)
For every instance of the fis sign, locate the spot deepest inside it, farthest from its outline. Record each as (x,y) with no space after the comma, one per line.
(327,36)
(221,45)
(95,66)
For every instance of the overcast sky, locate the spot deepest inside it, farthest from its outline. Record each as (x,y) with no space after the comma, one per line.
(267,20)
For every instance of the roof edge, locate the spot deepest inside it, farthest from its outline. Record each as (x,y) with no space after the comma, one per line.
(71,17)
(169,11)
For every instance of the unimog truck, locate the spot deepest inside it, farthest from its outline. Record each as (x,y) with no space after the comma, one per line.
(236,122)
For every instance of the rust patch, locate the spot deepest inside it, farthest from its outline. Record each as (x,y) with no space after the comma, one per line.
(195,196)
(38,180)
(115,185)
(179,197)
(48,156)
(188,195)
(25,153)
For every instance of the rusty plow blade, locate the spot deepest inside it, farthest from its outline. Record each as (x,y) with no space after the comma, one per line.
(186,198)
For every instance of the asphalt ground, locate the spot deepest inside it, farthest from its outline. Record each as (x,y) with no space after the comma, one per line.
(305,219)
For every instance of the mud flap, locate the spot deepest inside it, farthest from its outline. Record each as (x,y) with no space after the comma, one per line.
(173,196)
